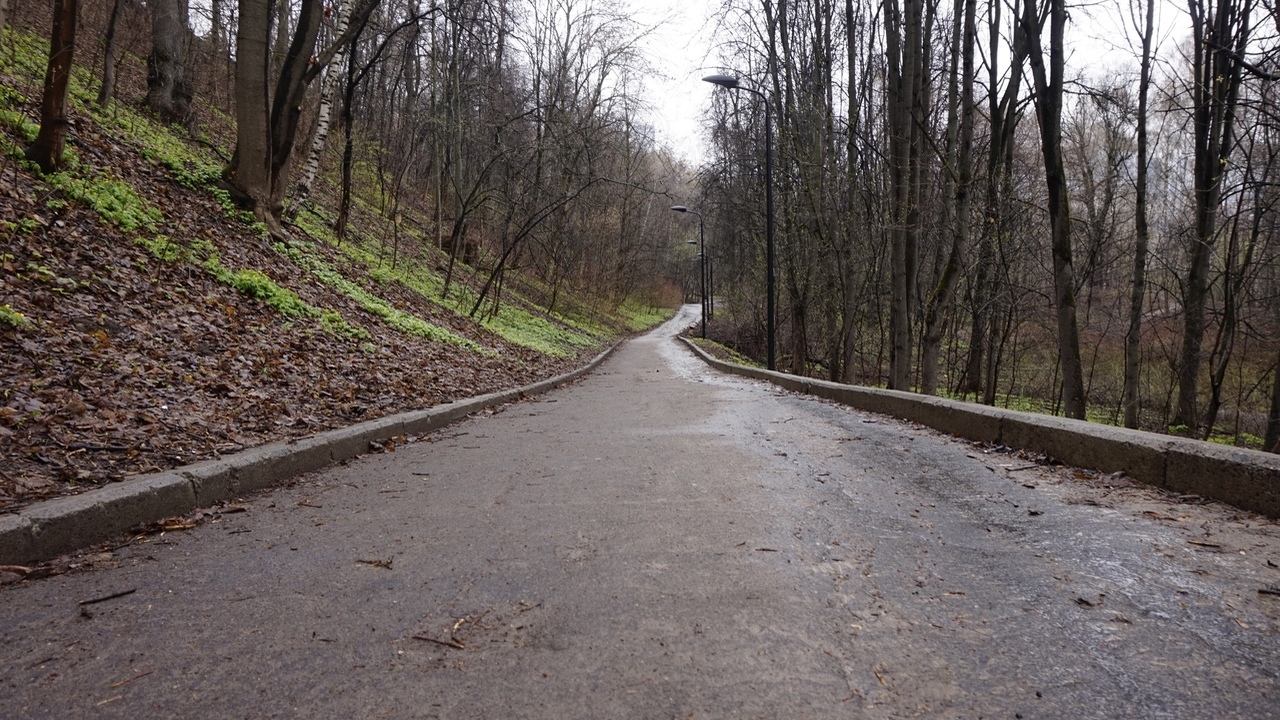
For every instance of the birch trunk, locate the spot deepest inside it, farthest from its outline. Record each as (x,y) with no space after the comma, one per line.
(333,75)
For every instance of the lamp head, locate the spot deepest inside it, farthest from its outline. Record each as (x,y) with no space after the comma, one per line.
(679,208)
(690,242)
(728,81)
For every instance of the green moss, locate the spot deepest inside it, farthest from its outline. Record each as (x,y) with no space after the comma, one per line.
(334,324)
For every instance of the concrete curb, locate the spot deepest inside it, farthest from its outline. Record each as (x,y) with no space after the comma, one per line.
(1247,479)
(48,529)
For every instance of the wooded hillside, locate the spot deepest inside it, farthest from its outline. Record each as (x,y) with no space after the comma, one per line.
(481,216)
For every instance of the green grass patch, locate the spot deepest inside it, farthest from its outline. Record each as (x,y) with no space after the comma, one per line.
(391,315)
(638,316)
(251,283)
(115,201)
(723,352)
(512,323)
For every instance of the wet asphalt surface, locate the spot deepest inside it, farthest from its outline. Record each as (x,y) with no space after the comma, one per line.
(657,541)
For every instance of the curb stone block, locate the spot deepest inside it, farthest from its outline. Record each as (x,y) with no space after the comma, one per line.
(346,443)
(1083,444)
(1245,478)
(66,524)
(212,480)
(15,539)
(979,423)
(269,465)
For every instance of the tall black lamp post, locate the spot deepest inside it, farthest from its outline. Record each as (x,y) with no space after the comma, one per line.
(702,263)
(731,82)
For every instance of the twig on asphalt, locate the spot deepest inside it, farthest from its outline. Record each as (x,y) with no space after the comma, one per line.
(112,596)
(446,643)
(135,677)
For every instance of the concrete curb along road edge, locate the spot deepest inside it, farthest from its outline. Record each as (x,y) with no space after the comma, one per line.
(1247,479)
(55,527)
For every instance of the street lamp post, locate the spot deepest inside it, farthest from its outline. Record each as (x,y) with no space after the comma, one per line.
(731,82)
(702,263)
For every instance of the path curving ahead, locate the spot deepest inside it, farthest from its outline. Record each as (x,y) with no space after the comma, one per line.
(659,540)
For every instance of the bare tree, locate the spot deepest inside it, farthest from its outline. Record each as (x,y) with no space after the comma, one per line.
(1142,232)
(1219,33)
(47,149)
(169,90)
(267,117)
(1048,99)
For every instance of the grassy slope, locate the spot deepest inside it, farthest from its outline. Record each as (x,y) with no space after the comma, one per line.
(147,323)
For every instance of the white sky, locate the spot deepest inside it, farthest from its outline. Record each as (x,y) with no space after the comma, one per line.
(678,51)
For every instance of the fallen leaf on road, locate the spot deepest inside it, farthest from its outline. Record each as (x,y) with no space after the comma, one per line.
(377,563)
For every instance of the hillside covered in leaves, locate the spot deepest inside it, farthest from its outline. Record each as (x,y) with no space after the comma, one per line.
(146,322)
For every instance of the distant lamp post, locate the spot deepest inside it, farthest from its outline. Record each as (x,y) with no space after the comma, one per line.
(702,263)
(731,82)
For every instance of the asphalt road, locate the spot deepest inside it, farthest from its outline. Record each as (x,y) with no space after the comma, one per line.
(660,541)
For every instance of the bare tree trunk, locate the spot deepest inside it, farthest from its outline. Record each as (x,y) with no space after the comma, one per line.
(1137,293)
(1272,441)
(903,37)
(1214,97)
(169,90)
(1003,114)
(46,151)
(960,154)
(4,12)
(267,124)
(1048,102)
(251,168)
(332,77)
(109,53)
(218,25)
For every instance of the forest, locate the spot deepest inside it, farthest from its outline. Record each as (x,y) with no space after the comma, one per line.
(966,206)
(961,204)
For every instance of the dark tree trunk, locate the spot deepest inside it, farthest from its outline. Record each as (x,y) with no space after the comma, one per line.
(46,151)
(1215,94)
(1132,340)
(109,55)
(1048,100)
(1272,442)
(169,90)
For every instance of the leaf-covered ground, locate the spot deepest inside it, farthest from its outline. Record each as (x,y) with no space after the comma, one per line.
(148,331)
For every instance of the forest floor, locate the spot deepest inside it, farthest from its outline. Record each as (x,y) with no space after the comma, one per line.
(145,325)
